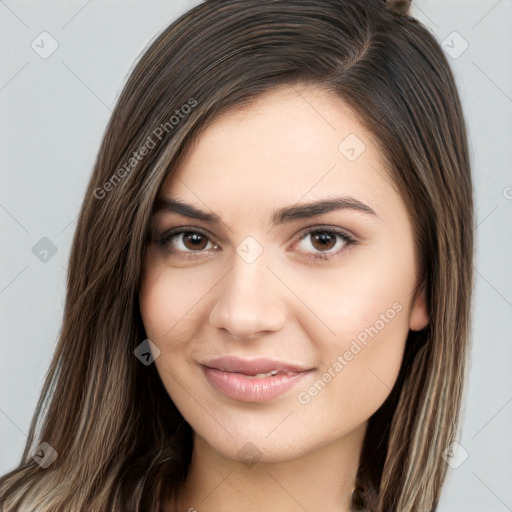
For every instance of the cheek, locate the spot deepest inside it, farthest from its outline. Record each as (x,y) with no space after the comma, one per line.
(168,302)
(359,368)
(173,307)
(342,302)
(360,328)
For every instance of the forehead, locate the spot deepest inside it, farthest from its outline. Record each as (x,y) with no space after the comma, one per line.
(291,143)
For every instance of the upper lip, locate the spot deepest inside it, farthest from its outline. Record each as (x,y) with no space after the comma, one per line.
(252,366)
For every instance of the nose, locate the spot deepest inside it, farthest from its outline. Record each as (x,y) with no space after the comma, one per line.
(248,302)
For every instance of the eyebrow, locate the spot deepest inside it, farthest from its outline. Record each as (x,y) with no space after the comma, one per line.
(279,216)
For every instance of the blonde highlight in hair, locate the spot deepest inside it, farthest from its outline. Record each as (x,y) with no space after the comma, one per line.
(122,444)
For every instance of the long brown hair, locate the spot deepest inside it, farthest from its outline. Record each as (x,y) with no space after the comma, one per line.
(121,444)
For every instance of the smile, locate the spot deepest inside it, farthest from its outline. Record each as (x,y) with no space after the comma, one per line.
(258,380)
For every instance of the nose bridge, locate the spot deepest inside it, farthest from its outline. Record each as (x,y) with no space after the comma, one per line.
(249,300)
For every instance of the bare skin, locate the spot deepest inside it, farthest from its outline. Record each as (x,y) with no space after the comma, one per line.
(201,299)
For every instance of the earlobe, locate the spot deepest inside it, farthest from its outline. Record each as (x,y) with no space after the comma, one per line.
(419,317)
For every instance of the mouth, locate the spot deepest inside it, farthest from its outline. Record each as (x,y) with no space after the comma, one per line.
(256,380)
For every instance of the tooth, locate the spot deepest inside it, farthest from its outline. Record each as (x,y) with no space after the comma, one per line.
(263,375)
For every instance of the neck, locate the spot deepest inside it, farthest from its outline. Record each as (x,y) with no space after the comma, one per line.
(320,480)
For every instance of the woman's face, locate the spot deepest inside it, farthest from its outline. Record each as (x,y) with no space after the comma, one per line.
(293,255)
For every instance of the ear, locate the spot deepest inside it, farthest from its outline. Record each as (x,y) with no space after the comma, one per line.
(419,317)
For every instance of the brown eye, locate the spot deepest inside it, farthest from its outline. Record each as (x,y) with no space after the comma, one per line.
(185,242)
(323,241)
(194,241)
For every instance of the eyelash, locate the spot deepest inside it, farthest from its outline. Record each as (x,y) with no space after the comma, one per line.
(165,238)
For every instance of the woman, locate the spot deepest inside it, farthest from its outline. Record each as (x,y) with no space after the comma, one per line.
(270,282)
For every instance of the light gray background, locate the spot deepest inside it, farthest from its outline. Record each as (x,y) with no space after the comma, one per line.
(54,111)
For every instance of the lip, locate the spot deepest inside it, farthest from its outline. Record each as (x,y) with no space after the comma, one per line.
(236,378)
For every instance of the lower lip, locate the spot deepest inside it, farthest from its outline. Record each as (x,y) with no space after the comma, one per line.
(248,389)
